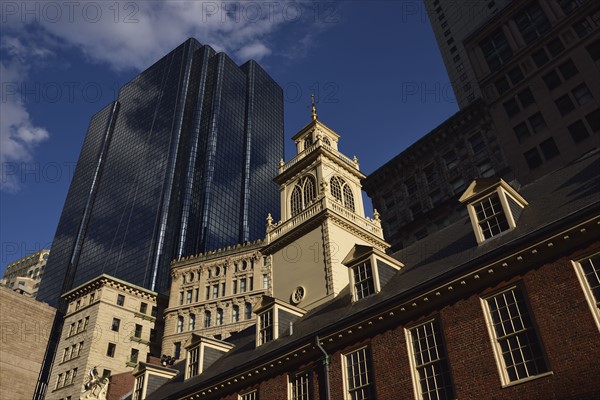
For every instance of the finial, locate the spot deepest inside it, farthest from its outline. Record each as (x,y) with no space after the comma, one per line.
(376,215)
(269,220)
(314,109)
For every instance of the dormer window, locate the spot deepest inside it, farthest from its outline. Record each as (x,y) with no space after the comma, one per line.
(275,319)
(494,207)
(364,285)
(303,194)
(490,216)
(370,269)
(266,327)
(202,352)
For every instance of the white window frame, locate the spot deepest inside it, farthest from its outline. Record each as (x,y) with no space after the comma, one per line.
(139,390)
(270,327)
(415,369)
(193,361)
(375,277)
(593,303)
(502,368)
(368,368)
(251,395)
(303,378)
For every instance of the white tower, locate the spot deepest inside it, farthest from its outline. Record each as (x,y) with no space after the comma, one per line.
(322,219)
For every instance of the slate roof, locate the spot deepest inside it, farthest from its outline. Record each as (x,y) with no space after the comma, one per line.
(565,197)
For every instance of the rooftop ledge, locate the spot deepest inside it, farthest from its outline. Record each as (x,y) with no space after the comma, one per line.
(319,143)
(373,226)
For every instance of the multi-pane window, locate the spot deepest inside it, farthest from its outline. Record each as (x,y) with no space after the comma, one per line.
(582,94)
(188,297)
(249,396)
(215,291)
(359,382)
(342,192)
(364,285)
(139,387)
(143,307)
(179,324)
(219,316)
(568,6)
(303,194)
(496,50)
(247,311)
(532,22)
(266,326)
(578,131)
(564,104)
(300,386)
(516,342)
(533,158)
(194,361)
(192,322)
(549,148)
(430,368)
(589,273)
(490,216)
(133,357)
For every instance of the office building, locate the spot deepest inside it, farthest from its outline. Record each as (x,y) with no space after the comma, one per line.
(538,66)
(452,21)
(181,163)
(25,274)
(109,326)
(416,192)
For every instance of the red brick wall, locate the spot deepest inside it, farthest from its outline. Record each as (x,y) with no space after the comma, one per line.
(564,322)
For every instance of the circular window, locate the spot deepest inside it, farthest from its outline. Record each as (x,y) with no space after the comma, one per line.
(298,294)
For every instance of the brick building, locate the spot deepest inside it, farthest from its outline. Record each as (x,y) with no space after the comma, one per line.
(25,326)
(500,304)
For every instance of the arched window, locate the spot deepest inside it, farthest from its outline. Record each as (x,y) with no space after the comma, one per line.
(219,316)
(207,319)
(326,141)
(192,322)
(303,194)
(235,313)
(307,142)
(341,191)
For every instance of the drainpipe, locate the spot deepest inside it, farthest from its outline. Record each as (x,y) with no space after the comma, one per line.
(326,361)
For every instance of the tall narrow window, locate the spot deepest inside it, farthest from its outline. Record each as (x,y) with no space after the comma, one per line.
(303,194)
(120,300)
(248,311)
(235,313)
(430,367)
(219,316)
(110,350)
(266,327)
(192,322)
(134,355)
(517,346)
(179,324)
(249,396)
(588,271)
(194,361)
(139,387)
(363,280)
(138,331)
(176,350)
(359,383)
(300,386)
(207,319)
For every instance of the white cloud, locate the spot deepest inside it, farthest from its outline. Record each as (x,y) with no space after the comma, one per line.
(254,51)
(18,135)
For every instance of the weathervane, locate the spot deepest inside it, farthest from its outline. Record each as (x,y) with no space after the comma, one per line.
(314,108)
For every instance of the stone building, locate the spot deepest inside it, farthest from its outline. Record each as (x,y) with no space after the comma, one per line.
(25,274)
(214,293)
(110,326)
(25,328)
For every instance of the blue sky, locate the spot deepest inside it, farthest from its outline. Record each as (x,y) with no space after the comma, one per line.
(373,65)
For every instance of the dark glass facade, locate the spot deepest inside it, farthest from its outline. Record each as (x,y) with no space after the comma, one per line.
(181,163)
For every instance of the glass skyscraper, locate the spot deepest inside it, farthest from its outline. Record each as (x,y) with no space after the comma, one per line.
(181,163)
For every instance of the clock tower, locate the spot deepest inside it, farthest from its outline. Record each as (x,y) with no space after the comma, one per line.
(322,219)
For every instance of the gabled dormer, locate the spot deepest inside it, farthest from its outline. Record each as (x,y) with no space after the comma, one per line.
(202,352)
(369,270)
(275,319)
(494,207)
(148,377)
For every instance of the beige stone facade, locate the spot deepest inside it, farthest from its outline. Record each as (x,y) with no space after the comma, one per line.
(110,325)
(24,275)
(214,294)
(26,325)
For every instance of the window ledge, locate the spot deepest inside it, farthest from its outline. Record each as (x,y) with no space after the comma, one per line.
(131,364)
(144,316)
(529,379)
(139,340)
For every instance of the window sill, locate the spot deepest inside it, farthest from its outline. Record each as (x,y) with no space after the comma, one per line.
(145,316)
(131,364)
(139,340)
(529,379)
